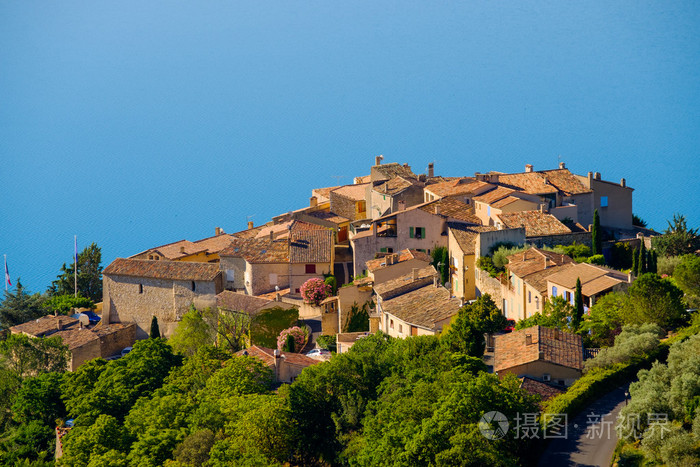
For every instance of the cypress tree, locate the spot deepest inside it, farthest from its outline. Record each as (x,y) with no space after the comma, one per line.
(596,239)
(635,259)
(652,261)
(642,260)
(445,269)
(155,329)
(578,305)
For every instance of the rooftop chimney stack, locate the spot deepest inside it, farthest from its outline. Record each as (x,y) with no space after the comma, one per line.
(596,175)
(528,168)
(623,182)
(436,284)
(431,170)
(313,202)
(250,225)
(182,249)
(562,165)
(378,160)
(272,235)
(414,274)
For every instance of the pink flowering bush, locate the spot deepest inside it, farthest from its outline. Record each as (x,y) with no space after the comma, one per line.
(299,335)
(315,291)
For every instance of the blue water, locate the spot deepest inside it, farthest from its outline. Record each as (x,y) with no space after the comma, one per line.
(137,124)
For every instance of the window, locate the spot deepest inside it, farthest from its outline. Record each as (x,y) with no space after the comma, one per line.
(603,201)
(391,324)
(382,250)
(310,269)
(400,329)
(554,291)
(488,211)
(529,297)
(193,286)
(361,206)
(569,298)
(230,275)
(420,232)
(140,288)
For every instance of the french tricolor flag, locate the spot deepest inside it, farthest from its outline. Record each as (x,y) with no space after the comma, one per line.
(7,274)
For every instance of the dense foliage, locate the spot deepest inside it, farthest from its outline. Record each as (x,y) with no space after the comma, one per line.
(315,291)
(89,275)
(20,306)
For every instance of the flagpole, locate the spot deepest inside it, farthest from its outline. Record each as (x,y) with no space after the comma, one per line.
(75,268)
(5,272)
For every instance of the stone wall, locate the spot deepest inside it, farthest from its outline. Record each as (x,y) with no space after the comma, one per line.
(136,300)
(263,277)
(237,267)
(486,284)
(343,206)
(564,239)
(114,342)
(82,354)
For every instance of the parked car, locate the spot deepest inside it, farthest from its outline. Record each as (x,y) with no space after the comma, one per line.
(510,325)
(318,353)
(92,316)
(126,350)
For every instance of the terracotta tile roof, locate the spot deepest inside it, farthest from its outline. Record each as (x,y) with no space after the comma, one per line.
(505,202)
(216,243)
(424,307)
(544,182)
(461,186)
(538,279)
(403,284)
(351,337)
(400,257)
(536,223)
(259,250)
(353,192)
(172,251)
(323,194)
(494,195)
(75,338)
(466,235)
(330,217)
(268,356)
(45,324)
(450,207)
(394,169)
(594,279)
(548,345)
(168,270)
(364,179)
(312,246)
(533,260)
(233,301)
(394,186)
(538,388)
(249,233)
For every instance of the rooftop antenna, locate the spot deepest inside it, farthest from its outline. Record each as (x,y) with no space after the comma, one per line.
(337,178)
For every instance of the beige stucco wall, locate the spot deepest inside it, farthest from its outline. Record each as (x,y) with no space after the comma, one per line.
(485,240)
(262,278)
(396,327)
(82,354)
(238,266)
(618,213)
(349,296)
(299,275)
(462,278)
(166,299)
(538,368)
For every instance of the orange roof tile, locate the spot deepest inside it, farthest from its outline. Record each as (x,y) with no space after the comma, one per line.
(425,306)
(168,270)
(547,345)
(268,356)
(401,256)
(353,192)
(536,223)
(466,235)
(461,186)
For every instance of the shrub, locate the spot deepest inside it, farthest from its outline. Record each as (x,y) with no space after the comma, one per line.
(315,291)
(667,265)
(596,259)
(330,280)
(297,333)
(328,342)
(634,342)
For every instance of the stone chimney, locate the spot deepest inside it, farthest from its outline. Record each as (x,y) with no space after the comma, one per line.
(313,202)
(528,339)
(182,248)
(528,168)
(59,324)
(272,235)
(414,274)
(562,165)
(278,364)
(623,182)
(436,283)
(378,160)
(402,205)
(250,225)
(596,175)
(431,170)
(218,231)
(437,210)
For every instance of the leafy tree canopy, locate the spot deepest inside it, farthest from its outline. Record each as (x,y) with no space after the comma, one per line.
(687,276)
(29,356)
(653,299)
(556,313)
(89,275)
(20,306)
(678,239)
(63,304)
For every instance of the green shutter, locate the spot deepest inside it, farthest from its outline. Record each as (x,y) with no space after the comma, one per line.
(382,250)
(410,232)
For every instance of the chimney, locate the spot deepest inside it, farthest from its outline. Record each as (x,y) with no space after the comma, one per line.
(218,231)
(437,210)
(59,324)
(528,339)
(402,205)
(596,175)
(313,202)
(545,262)
(623,182)
(250,225)
(528,168)
(436,284)
(278,297)
(414,274)
(562,165)
(272,235)
(182,249)
(278,361)
(378,160)
(431,170)
(543,207)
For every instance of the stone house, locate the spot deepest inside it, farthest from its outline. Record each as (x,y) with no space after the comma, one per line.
(524,290)
(462,246)
(489,205)
(462,189)
(415,305)
(135,290)
(395,265)
(84,342)
(286,366)
(248,304)
(349,201)
(543,229)
(204,251)
(543,354)
(336,309)
(596,281)
(422,227)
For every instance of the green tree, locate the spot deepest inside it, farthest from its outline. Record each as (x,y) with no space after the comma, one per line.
(358,319)
(20,306)
(578,305)
(485,314)
(194,450)
(89,275)
(84,443)
(195,329)
(635,262)
(466,332)
(642,259)
(655,300)
(606,318)
(330,280)
(29,355)
(64,304)
(652,258)
(556,313)
(638,221)
(677,239)
(596,235)
(155,329)
(39,398)
(687,276)
(441,262)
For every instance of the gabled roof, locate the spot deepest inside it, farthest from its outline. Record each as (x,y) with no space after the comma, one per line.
(594,279)
(547,345)
(466,235)
(450,207)
(533,260)
(394,186)
(329,216)
(353,192)
(184,248)
(544,390)
(167,270)
(259,250)
(234,301)
(501,203)
(544,182)
(403,284)
(425,306)
(461,186)
(494,195)
(48,324)
(323,194)
(268,356)
(393,169)
(538,280)
(400,257)
(536,223)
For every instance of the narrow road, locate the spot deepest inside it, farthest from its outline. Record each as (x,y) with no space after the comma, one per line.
(591,436)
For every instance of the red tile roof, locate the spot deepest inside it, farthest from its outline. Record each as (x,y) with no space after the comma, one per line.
(544,182)
(494,195)
(168,270)
(353,192)
(533,260)
(45,324)
(400,257)
(538,388)
(268,356)
(259,250)
(547,345)
(466,235)
(424,307)
(536,223)
(312,246)
(406,283)
(594,279)
(462,186)
(234,301)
